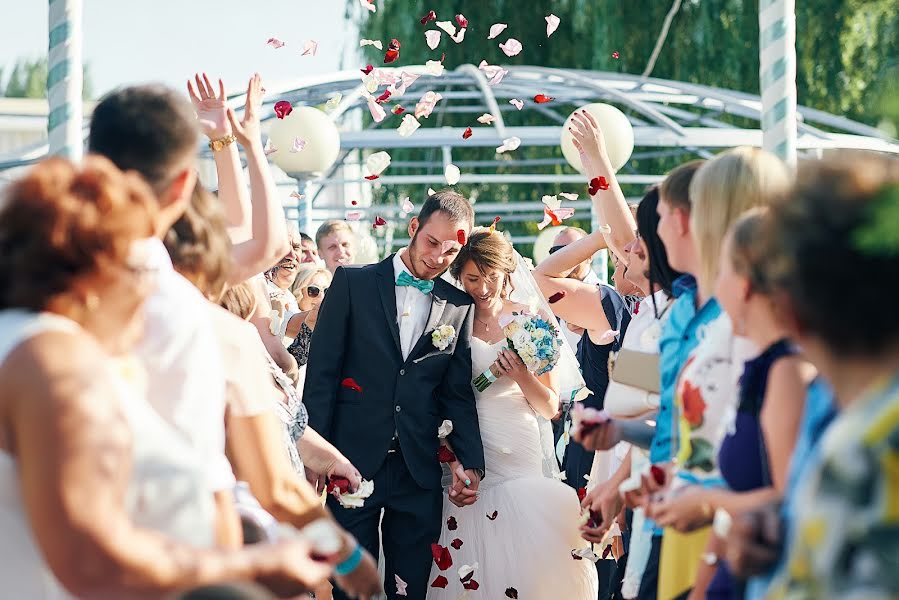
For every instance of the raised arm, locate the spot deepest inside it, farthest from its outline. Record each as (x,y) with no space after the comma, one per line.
(610,204)
(268,241)
(213,118)
(261,319)
(326,354)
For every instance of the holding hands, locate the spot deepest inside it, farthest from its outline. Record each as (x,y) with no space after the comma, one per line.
(464,489)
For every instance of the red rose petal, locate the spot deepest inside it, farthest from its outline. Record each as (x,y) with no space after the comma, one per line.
(606,552)
(350,383)
(512,593)
(595,519)
(368,69)
(431,16)
(398,110)
(393,51)
(445,455)
(493,516)
(379,222)
(467,578)
(555,298)
(451,524)
(353,202)
(460,236)
(440,582)
(575,556)
(581,492)
(658,474)
(442,557)
(467,133)
(282,108)
(543,99)
(597,184)
(383,97)
(615,55)
(338,485)
(471,584)
(456,543)
(461,21)
(372,177)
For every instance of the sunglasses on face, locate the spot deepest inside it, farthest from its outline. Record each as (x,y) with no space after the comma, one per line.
(313,291)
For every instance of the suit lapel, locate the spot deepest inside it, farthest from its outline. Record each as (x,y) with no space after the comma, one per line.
(387,291)
(438,305)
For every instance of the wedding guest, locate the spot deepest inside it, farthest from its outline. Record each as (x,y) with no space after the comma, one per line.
(583,272)
(336,244)
(841,535)
(308,251)
(309,287)
(278,283)
(81,448)
(153,131)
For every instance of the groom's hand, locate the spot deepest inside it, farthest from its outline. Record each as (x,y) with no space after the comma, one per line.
(464,490)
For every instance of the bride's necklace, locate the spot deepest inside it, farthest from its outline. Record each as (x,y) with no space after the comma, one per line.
(484,323)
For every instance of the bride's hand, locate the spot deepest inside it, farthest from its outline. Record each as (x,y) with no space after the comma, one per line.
(463,491)
(511,364)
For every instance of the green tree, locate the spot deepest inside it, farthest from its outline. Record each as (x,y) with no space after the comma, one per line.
(28,79)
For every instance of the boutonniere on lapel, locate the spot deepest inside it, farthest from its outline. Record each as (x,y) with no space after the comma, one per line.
(443,336)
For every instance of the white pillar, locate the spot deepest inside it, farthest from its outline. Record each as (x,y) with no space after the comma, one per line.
(777,75)
(64,79)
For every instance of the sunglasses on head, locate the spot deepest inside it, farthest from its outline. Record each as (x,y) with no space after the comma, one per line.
(313,291)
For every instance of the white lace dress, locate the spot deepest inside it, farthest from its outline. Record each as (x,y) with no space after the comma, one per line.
(528,546)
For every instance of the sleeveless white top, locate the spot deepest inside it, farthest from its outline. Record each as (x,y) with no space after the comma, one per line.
(166,493)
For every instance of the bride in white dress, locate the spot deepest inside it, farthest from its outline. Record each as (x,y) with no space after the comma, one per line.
(521,534)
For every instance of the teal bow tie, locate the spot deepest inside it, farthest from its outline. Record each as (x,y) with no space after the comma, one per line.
(421,285)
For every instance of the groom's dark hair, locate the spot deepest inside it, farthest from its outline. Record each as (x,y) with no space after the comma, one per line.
(454,205)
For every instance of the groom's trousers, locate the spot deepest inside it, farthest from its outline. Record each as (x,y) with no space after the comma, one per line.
(413,517)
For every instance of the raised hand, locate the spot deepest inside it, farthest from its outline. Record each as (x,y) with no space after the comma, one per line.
(211,108)
(588,138)
(248,131)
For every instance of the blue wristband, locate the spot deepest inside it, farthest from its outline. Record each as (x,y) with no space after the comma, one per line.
(350,564)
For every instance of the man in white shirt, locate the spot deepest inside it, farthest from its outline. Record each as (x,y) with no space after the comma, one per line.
(153,130)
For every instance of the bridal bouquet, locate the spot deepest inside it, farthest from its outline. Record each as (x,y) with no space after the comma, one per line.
(534,339)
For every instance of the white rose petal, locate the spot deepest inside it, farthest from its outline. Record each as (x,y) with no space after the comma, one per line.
(516,103)
(552,23)
(452,174)
(432,37)
(459,36)
(357,498)
(509,145)
(310,48)
(496,29)
(511,47)
(377,163)
(376,43)
(408,126)
(445,429)
(426,105)
(434,67)
(486,119)
(447,26)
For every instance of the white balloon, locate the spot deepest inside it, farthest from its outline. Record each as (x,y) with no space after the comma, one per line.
(617,130)
(321,136)
(544,242)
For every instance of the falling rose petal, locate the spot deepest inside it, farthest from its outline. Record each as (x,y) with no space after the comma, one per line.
(511,47)
(377,111)
(352,215)
(282,108)
(568,196)
(543,98)
(448,245)
(440,582)
(432,37)
(555,217)
(493,225)
(353,202)
(377,163)
(298,145)
(459,36)
(552,23)
(367,70)
(494,73)
(461,21)
(496,29)
(447,26)
(451,524)
(471,584)
(297,195)
(333,101)
(376,43)
(384,97)
(467,133)
(442,557)
(555,298)
(658,474)
(398,110)
(351,384)
(400,586)
(460,236)
(493,515)
(509,145)
(372,177)
(368,5)
(581,493)
(597,184)
(393,51)
(275,43)
(407,205)
(431,16)
(310,48)
(615,55)
(466,572)
(434,67)
(516,103)
(444,454)
(408,126)
(512,593)
(426,105)
(378,222)
(269,147)
(486,119)
(431,192)
(452,174)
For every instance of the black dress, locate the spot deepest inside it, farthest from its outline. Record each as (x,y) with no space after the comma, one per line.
(299,348)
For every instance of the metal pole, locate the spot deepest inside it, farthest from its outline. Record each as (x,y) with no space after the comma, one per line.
(777,76)
(64,80)
(304,206)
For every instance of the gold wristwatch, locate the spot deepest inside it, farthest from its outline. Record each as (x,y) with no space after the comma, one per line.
(222,143)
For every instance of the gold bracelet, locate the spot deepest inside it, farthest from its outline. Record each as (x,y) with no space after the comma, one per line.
(222,143)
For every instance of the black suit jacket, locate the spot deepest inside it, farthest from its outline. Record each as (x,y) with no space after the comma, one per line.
(357,336)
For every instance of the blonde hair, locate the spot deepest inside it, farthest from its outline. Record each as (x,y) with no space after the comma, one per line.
(329,227)
(722,190)
(305,273)
(239,300)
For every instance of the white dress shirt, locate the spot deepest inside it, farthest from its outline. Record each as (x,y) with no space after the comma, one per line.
(412,308)
(186,382)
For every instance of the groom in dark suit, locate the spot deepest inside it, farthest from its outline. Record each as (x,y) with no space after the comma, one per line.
(379,382)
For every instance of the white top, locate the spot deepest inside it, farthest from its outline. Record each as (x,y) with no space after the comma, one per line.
(166,492)
(180,353)
(412,308)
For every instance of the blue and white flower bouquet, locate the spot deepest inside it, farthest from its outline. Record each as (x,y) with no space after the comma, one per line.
(534,339)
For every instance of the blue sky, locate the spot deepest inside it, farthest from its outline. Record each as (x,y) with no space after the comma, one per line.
(167,40)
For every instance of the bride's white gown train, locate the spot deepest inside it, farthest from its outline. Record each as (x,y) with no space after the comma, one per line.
(527,547)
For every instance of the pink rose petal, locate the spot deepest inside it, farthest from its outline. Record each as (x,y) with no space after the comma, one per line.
(377,111)
(352,215)
(486,119)
(552,23)
(310,48)
(275,43)
(408,126)
(376,43)
(432,37)
(496,29)
(509,144)
(298,145)
(407,206)
(426,105)
(459,36)
(511,47)
(516,103)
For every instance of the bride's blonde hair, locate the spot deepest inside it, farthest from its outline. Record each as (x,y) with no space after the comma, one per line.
(487,249)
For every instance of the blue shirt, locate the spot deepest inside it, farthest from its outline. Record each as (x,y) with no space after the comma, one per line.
(681,333)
